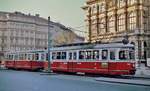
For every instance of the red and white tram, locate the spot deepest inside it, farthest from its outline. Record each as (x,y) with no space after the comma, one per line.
(27,60)
(109,59)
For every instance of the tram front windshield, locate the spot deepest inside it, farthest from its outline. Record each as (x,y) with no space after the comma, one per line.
(126,55)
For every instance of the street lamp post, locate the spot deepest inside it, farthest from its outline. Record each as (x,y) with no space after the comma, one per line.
(49,46)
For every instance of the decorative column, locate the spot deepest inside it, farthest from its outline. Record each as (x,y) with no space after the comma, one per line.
(116,18)
(90,25)
(97,16)
(106,16)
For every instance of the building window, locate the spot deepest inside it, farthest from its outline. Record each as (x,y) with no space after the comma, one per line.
(94,27)
(102,26)
(121,22)
(111,24)
(94,9)
(131,2)
(132,21)
(102,7)
(121,3)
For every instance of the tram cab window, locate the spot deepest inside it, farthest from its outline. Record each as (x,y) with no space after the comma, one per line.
(63,56)
(112,55)
(104,54)
(95,54)
(131,55)
(123,55)
(81,54)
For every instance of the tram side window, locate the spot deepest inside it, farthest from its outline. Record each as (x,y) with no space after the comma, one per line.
(112,55)
(88,55)
(21,56)
(36,56)
(104,54)
(63,56)
(33,57)
(42,56)
(10,57)
(81,54)
(95,54)
(29,56)
(25,56)
(123,55)
(46,56)
(74,55)
(54,55)
(58,55)
(70,56)
(16,57)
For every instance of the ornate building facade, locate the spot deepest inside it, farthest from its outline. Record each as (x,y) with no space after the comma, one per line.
(19,31)
(115,20)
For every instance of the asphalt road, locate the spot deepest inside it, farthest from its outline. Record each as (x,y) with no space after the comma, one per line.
(37,81)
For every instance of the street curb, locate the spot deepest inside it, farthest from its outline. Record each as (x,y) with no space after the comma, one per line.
(123,81)
(140,77)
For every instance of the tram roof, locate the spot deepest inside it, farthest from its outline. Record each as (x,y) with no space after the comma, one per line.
(78,46)
(27,51)
(91,46)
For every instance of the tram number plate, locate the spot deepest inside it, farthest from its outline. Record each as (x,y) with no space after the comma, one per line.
(104,65)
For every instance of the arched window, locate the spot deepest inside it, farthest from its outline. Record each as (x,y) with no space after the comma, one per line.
(94,9)
(121,22)
(131,2)
(121,3)
(132,21)
(102,7)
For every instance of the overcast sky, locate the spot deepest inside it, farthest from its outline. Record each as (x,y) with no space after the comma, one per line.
(67,12)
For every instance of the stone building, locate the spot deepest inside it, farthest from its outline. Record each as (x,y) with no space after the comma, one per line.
(115,20)
(19,31)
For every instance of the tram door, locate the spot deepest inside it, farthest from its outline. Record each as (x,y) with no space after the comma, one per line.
(72,56)
(105,61)
(148,58)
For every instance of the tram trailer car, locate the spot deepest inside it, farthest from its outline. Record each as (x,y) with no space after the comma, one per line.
(108,59)
(27,60)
